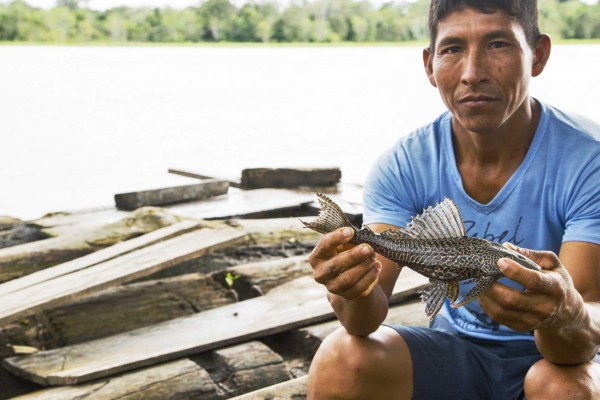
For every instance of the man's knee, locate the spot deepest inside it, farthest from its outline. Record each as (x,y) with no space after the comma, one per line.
(347,366)
(546,380)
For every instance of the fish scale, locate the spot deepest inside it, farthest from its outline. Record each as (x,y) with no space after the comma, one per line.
(433,244)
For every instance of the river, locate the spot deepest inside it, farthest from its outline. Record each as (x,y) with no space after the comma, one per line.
(79,124)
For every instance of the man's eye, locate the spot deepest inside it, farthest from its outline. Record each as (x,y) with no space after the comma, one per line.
(498,44)
(451,50)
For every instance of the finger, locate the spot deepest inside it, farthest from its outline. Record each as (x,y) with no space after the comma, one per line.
(518,320)
(329,243)
(353,284)
(359,258)
(509,298)
(545,259)
(531,280)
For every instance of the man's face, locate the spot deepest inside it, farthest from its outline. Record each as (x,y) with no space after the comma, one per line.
(481,65)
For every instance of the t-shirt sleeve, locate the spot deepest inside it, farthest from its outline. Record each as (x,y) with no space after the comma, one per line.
(583,207)
(387,189)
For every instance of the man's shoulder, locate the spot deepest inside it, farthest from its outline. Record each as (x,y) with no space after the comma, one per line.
(572,127)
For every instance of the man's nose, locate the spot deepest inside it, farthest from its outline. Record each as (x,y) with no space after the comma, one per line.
(475,67)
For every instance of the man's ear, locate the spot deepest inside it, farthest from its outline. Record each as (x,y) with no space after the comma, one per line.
(428,64)
(541,53)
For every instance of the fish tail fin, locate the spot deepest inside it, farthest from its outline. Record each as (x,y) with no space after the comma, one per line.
(433,296)
(330,218)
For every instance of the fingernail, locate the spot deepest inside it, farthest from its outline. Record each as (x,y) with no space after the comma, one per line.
(377,265)
(502,264)
(347,232)
(365,250)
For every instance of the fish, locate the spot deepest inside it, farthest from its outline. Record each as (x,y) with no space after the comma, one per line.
(434,244)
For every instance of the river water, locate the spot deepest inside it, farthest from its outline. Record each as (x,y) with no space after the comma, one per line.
(79,124)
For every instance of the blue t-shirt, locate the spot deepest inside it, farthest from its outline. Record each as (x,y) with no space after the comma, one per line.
(553,197)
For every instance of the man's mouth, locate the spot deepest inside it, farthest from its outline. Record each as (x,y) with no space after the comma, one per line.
(476,100)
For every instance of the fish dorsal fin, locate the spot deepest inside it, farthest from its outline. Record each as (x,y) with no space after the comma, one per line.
(440,222)
(396,234)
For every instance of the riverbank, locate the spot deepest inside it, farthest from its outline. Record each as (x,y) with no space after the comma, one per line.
(416,43)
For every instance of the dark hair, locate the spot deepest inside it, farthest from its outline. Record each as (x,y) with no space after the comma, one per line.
(524,11)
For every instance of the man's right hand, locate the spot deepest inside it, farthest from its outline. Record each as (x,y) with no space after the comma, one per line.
(347,270)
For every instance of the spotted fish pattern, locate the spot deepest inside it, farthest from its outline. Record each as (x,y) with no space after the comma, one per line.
(433,244)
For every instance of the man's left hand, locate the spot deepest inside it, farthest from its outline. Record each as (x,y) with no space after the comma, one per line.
(549,300)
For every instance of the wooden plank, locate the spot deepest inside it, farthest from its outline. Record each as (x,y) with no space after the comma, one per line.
(89,216)
(128,267)
(171,195)
(298,303)
(258,178)
(182,377)
(97,257)
(191,174)
(243,203)
(289,390)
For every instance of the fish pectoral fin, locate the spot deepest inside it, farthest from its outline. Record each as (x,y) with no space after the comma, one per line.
(453,291)
(482,284)
(434,296)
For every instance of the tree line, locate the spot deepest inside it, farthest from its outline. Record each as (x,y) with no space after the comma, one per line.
(264,21)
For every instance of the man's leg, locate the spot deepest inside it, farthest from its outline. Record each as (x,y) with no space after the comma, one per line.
(350,367)
(546,380)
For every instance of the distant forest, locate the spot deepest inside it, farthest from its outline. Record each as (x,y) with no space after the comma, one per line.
(70,21)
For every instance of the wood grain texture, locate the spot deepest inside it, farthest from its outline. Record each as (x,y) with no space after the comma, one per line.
(171,195)
(97,257)
(128,267)
(298,303)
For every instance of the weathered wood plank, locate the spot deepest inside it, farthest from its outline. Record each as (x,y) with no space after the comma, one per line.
(191,174)
(92,216)
(97,257)
(243,368)
(258,178)
(243,203)
(298,303)
(146,303)
(182,379)
(24,259)
(128,267)
(171,195)
(290,390)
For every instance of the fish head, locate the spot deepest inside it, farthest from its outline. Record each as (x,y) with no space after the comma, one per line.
(520,259)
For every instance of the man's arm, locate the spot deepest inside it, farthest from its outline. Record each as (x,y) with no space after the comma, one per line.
(359,281)
(561,304)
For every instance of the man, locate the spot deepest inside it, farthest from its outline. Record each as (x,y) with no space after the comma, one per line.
(521,172)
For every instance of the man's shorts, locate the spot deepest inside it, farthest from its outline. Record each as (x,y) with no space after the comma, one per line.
(447,365)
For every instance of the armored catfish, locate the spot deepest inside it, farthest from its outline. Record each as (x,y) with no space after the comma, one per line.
(433,244)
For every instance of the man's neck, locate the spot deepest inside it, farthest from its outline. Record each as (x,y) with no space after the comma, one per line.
(487,160)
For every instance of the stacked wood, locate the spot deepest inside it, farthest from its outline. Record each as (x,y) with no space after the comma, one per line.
(187,335)
(153,318)
(171,195)
(27,258)
(130,266)
(220,374)
(260,178)
(145,303)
